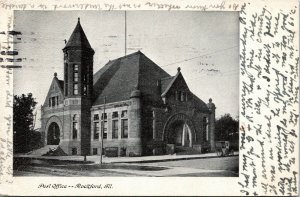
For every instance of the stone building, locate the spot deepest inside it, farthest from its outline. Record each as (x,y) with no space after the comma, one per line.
(140,108)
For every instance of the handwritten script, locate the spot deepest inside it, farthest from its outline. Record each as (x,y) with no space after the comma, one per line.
(269,101)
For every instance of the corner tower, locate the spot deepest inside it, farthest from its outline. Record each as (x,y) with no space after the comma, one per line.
(78,92)
(78,65)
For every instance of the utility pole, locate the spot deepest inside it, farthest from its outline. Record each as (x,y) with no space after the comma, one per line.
(102,129)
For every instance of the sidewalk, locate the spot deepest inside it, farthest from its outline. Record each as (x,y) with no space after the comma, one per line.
(144,159)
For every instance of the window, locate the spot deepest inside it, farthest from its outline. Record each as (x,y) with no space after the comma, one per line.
(53,101)
(96,116)
(178,96)
(75,67)
(95,151)
(96,130)
(205,129)
(75,89)
(182,96)
(115,129)
(84,78)
(75,75)
(186,97)
(75,130)
(84,89)
(115,114)
(104,115)
(75,127)
(105,130)
(74,151)
(124,114)
(124,125)
(49,102)
(75,79)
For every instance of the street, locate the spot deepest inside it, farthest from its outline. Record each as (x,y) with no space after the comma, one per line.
(204,167)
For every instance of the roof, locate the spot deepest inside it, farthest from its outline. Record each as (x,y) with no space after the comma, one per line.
(170,82)
(78,38)
(119,77)
(199,104)
(165,82)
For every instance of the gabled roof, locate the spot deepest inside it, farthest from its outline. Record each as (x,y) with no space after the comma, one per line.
(60,88)
(165,83)
(78,39)
(170,81)
(119,77)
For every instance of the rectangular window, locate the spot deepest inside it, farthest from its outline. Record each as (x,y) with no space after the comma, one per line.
(105,130)
(74,151)
(124,114)
(49,102)
(95,151)
(96,116)
(115,114)
(75,89)
(179,96)
(96,130)
(104,115)
(124,125)
(53,101)
(75,75)
(75,68)
(75,130)
(182,96)
(84,89)
(115,129)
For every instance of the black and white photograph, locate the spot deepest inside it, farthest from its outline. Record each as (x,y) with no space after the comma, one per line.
(126,93)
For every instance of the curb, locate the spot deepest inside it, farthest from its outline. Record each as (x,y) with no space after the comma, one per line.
(172,159)
(142,161)
(55,159)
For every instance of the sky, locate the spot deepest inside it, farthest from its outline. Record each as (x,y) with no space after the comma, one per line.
(203,44)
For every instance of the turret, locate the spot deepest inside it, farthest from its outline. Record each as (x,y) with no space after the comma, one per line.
(135,122)
(78,92)
(78,65)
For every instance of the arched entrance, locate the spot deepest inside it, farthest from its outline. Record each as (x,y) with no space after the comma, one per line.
(179,131)
(53,134)
(179,134)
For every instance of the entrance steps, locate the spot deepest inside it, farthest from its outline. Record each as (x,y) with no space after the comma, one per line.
(181,150)
(43,150)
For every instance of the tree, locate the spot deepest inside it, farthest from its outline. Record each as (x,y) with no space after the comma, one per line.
(25,138)
(227,129)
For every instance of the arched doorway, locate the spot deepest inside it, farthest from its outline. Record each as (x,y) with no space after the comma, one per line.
(179,131)
(179,134)
(53,134)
